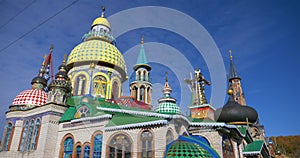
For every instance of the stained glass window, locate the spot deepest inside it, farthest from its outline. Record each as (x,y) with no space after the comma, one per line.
(146,139)
(7,136)
(115,92)
(30,133)
(24,135)
(97,146)
(68,147)
(35,134)
(78,151)
(120,147)
(80,84)
(86,153)
(99,86)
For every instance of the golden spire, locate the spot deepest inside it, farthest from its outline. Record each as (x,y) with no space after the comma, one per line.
(65,57)
(103,10)
(230,52)
(142,42)
(45,56)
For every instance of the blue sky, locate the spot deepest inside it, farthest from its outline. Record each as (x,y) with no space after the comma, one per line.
(264,37)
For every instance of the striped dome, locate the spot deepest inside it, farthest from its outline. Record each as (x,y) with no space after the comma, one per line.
(100,51)
(31,97)
(167,108)
(187,149)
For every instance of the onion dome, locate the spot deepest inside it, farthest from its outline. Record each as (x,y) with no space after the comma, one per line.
(167,104)
(234,113)
(98,46)
(36,97)
(61,79)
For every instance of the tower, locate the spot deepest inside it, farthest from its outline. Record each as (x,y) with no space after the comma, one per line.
(95,66)
(60,89)
(140,86)
(235,83)
(167,104)
(199,107)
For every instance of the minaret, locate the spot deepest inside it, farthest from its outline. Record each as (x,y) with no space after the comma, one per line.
(199,107)
(39,82)
(60,89)
(235,83)
(140,86)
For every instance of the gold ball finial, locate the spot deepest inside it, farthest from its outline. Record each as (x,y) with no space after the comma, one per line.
(230,92)
(103,10)
(44,62)
(142,41)
(230,52)
(65,58)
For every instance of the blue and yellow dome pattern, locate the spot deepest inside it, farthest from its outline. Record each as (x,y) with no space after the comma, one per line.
(97,50)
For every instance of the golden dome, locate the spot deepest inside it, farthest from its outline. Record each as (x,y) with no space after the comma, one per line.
(100,51)
(101,21)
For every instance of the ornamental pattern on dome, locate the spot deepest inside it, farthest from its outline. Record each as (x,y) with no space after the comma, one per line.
(96,50)
(167,108)
(31,97)
(186,149)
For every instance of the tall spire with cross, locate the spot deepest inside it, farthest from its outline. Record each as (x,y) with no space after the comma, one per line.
(235,83)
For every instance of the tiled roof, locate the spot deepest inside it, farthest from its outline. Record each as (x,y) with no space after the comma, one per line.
(253,148)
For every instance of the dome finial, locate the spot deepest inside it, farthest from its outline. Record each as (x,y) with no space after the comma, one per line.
(51,48)
(103,10)
(230,52)
(43,64)
(142,42)
(64,61)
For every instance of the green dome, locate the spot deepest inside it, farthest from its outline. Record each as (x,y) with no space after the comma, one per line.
(182,149)
(167,108)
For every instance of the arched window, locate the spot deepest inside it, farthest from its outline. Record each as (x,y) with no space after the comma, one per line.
(115,88)
(147,141)
(68,147)
(80,83)
(35,134)
(227,147)
(78,151)
(7,137)
(120,147)
(30,133)
(86,153)
(97,146)
(99,86)
(142,94)
(169,137)
(24,135)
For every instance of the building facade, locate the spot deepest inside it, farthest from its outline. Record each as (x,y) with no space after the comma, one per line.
(82,113)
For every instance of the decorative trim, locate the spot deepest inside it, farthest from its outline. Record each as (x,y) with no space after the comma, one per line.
(202,106)
(136,125)
(106,116)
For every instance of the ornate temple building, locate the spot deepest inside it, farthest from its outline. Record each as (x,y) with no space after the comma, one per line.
(82,113)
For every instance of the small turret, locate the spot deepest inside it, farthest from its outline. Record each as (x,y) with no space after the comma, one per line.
(60,89)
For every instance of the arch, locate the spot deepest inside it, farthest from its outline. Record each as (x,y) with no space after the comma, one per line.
(8,134)
(142,93)
(116,87)
(78,150)
(29,136)
(80,88)
(169,136)
(96,144)
(146,144)
(86,150)
(119,145)
(227,147)
(100,85)
(66,146)
(23,135)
